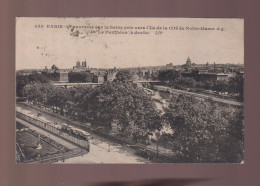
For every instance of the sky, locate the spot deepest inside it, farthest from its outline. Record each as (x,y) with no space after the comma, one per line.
(39,44)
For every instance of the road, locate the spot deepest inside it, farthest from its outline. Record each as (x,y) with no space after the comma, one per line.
(101,149)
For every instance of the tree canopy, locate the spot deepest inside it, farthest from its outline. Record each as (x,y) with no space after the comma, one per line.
(124,76)
(199,129)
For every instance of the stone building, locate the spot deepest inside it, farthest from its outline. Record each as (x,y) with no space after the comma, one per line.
(64,75)
(79,67)
(98,79)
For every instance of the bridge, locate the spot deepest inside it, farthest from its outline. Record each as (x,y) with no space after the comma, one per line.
(67,85)
(149,82)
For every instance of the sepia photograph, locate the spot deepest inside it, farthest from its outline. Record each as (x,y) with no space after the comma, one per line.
(129,90)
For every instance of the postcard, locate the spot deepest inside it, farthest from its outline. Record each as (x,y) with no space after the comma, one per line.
(129,90)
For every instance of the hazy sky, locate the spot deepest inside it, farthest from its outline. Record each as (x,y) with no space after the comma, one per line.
(45,46)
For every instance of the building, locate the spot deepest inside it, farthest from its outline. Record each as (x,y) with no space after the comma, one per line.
(111,74)
(26,71)
(98,79)
(188,62)
(188,65)
(169,66)
(205,76)
(64,77)
(89,76)
(79,67)
(84,64)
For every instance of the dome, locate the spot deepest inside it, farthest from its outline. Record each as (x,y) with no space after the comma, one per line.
(188,62)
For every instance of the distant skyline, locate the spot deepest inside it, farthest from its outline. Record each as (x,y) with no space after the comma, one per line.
(49,67)
(40,47)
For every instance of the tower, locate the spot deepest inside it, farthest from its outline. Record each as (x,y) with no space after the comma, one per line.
(84,63)
(77,64)
(188,61)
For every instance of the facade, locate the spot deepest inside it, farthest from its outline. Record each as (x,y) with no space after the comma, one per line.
(64,77)
(205,76)
(89,76)
(111,74)
(169,66)
(79,67)
(98,79)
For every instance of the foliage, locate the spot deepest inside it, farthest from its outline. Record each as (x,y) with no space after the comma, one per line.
(52,76)
(201,129)
(23,80)
(124,76)
(125,104)
(185,82)
(220,86)
(168,75)
(37,92)
(79,77)
(236,85)
(233,85)
(54,67)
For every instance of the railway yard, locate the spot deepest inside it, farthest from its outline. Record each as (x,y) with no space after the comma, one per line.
(100,150)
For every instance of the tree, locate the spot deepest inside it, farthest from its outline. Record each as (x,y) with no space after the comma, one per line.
(199,129)
(23,80)
(124,76)
(58,98)
(220,86)
(52,76)
(77,76)
(186,82)
(232,144)
(54,67)
(236,85)
(168,75)
(37,92)
(124,104)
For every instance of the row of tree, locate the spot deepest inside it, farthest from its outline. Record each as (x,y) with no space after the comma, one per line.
(233,85)
(123,104)
(203,131)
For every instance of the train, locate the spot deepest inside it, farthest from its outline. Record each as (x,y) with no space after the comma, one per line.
(72,134)
(78,132)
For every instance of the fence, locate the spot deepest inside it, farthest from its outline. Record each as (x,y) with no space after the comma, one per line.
(48,127)
(57,157)
(158,154)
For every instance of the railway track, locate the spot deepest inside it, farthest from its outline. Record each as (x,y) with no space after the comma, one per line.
(137,147)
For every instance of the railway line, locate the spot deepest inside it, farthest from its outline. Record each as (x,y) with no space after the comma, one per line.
(53,130)
(137,147)
(73,146)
